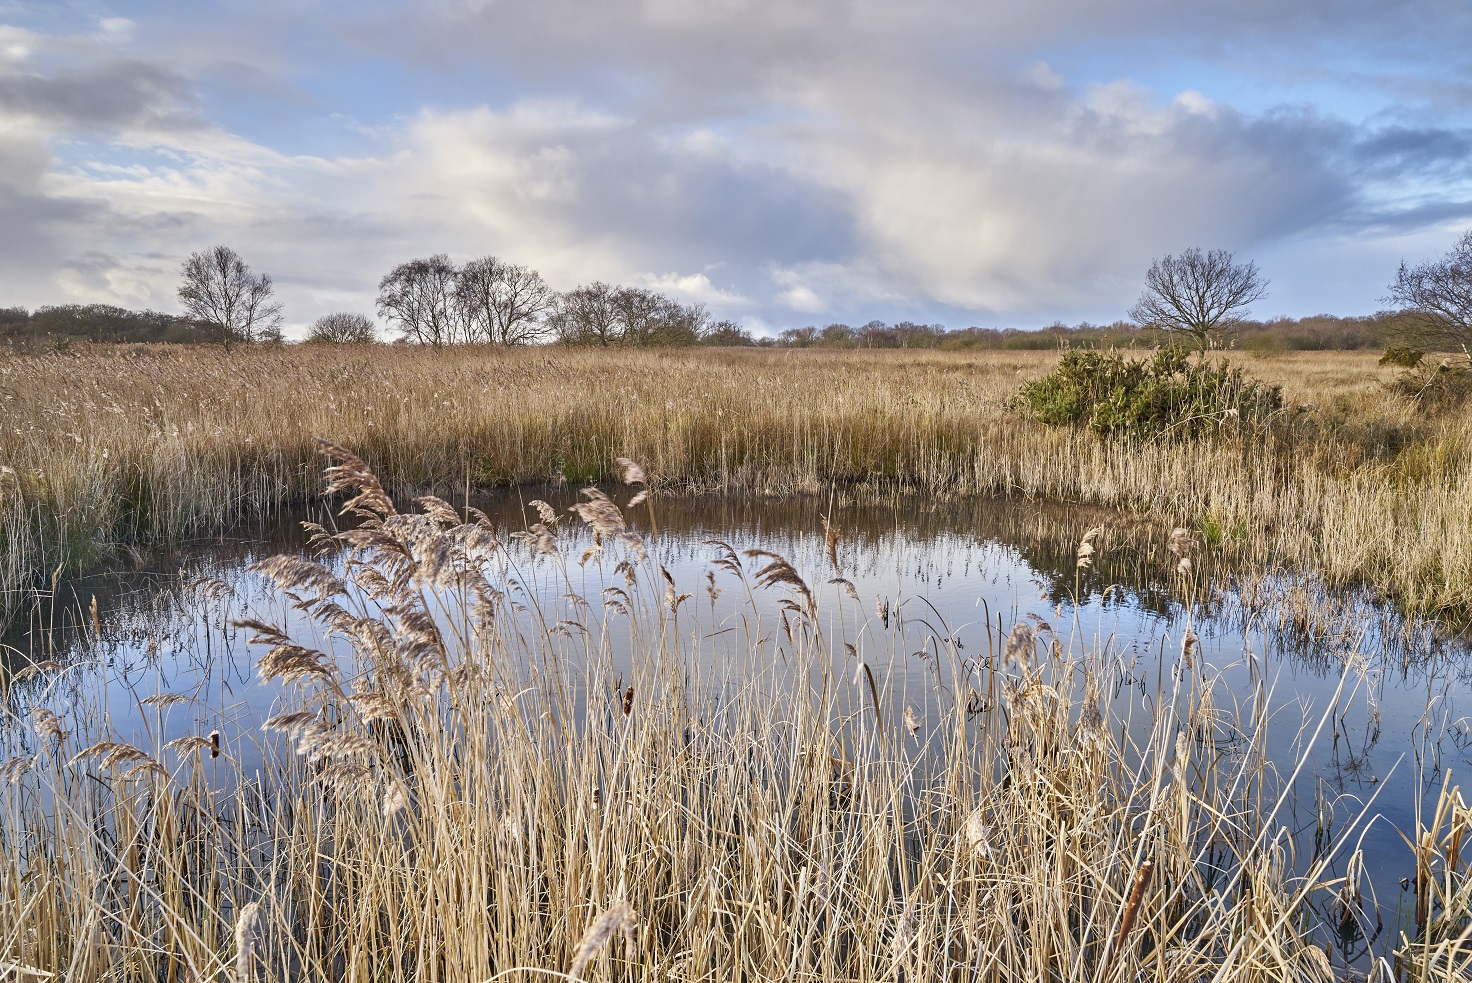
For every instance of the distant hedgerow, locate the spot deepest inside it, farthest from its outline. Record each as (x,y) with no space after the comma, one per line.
(1166,394)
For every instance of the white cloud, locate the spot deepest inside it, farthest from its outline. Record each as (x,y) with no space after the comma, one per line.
(802,299)
(1041,74)
(855,158)
(116,29)
(691,287)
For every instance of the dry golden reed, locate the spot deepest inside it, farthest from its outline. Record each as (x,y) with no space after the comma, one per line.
(110,446)
(469,793)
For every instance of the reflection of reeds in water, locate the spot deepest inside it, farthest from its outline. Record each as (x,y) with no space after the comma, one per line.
(117,445)
(475,794)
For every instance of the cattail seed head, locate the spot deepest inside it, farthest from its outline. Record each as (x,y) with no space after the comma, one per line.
(977,835)
(1086,549)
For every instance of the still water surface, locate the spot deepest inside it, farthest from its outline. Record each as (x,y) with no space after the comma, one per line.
(958,575)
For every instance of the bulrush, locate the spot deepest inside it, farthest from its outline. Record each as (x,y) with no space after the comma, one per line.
(247,942)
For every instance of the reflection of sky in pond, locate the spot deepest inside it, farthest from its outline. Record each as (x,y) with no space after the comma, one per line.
(954,577)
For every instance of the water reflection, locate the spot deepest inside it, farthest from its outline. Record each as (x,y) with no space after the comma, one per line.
(924,593)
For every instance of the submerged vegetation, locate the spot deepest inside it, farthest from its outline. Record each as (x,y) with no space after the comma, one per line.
(107,449)
(482,774)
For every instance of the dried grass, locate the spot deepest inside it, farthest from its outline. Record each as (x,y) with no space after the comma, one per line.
(473,796)
(107,447)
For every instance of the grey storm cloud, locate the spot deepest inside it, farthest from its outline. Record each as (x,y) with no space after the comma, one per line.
(724,46)
(118,93)
(1398,150)
(39,238)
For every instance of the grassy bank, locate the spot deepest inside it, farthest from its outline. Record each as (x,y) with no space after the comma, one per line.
(494,781)
(108,446)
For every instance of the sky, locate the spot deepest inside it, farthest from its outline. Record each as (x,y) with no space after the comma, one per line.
(1001,163)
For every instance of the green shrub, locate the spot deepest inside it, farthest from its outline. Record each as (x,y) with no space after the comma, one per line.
(1167,393)
(1406,358)
(1446,386)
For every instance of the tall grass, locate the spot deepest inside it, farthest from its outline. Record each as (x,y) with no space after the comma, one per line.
(113,446)
(474,790)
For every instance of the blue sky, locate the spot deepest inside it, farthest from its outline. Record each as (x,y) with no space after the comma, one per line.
(1000,164)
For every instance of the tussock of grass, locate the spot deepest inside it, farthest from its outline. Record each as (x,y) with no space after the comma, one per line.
(476,793)
(111,446)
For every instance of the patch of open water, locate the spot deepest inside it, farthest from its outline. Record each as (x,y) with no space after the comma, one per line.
(940,586)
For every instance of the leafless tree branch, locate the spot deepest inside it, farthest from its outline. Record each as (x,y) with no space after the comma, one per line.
(1203,296)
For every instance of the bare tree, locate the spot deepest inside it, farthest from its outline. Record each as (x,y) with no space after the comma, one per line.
(804,337)
(220,292)
(343,328)
(877,334)
(650,318)
(727,334)
(1435,300)
(683,324)
(912,335)
(640,314)
(417,298)
(600,314)
(1203,296)
(587,316)
(501,303)
(836,335)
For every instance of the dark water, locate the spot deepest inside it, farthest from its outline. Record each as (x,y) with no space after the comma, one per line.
(955,577)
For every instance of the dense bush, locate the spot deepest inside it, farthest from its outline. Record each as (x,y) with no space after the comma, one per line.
(1406,358)
(1168,393)
(101,323)
(1321,332)
(343,328)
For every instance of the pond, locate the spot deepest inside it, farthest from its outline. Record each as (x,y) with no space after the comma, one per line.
(919,599)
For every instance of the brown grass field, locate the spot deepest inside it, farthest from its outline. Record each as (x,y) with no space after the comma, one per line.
(104,447)
(477,793)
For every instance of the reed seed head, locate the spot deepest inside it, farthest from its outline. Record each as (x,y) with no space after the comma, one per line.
(616,918)
(631,473)
(247,942)
(1021,645)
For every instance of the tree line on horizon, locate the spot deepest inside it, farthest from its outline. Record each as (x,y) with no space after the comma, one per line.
(1198,297)
(105,323)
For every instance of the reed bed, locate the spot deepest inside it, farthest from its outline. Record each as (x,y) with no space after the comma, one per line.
(494,777)
(111,447)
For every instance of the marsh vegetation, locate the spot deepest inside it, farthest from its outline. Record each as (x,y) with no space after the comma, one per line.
(109,448)
(495,755)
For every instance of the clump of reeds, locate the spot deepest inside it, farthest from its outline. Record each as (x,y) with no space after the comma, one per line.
(112,447)
(480,772)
